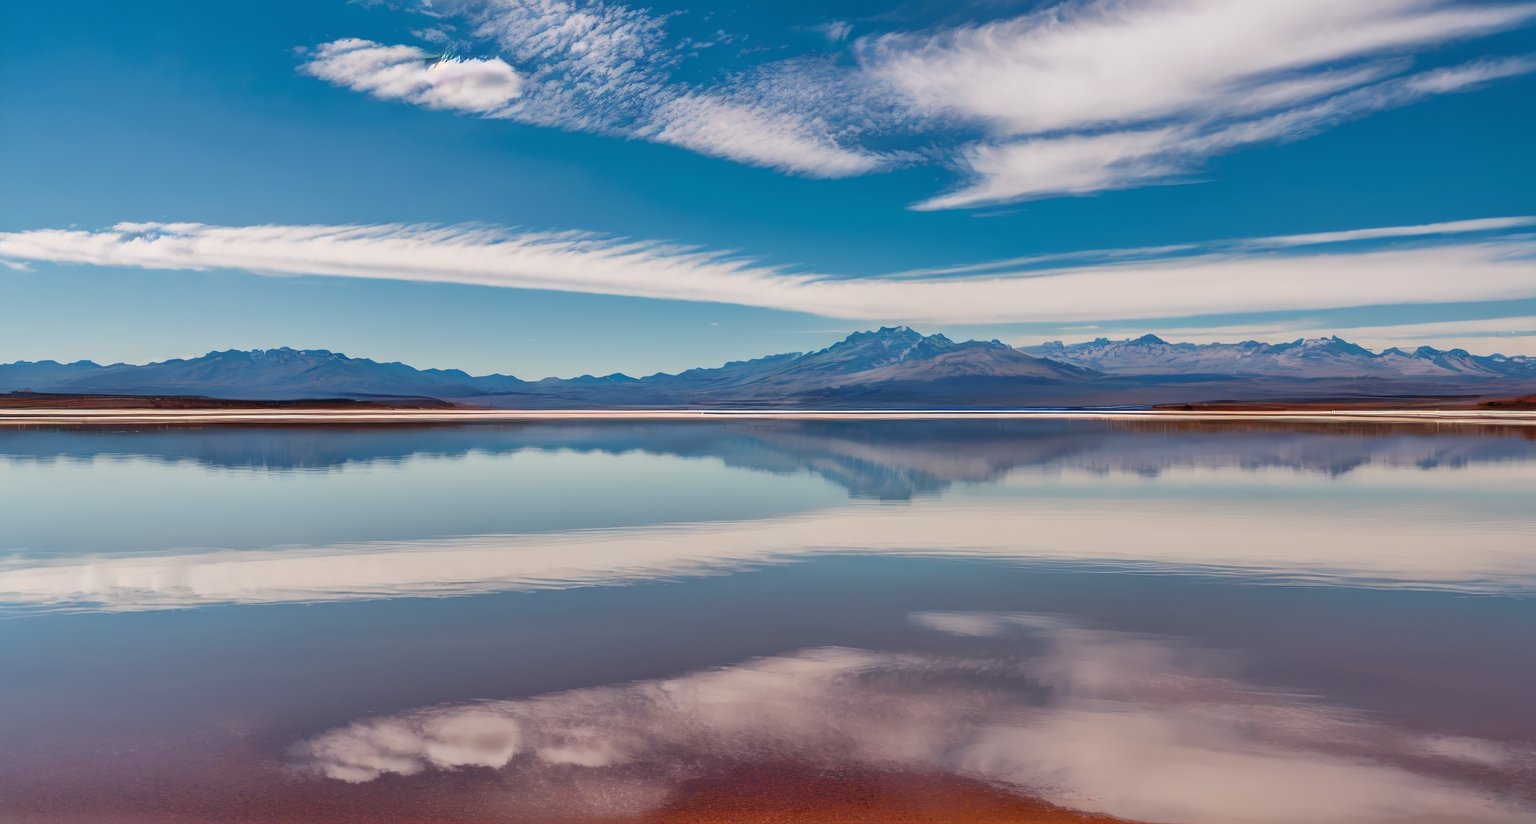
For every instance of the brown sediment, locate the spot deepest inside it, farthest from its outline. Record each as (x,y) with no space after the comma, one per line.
(1323,405)
(787,794)
(1522,402)
(1410,402)
(1333,426)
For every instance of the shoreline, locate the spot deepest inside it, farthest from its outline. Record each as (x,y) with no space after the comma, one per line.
(66,417)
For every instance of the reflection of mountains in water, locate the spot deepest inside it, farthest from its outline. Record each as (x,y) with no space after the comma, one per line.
(890,460)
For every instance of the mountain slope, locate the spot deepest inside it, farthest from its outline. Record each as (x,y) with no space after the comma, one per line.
(890,355)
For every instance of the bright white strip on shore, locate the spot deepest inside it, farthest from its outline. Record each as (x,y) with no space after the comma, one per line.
(1277,538)
(1256,281)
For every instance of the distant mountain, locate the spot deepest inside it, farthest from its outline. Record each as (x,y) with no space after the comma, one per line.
(44,374)
(269,374)
(886,357)
(1312,358)
(888,367)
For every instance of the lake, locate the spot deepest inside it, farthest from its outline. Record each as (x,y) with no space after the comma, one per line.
(768,621)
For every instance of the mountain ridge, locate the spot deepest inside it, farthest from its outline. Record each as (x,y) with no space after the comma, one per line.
(883,367)
(1330,356)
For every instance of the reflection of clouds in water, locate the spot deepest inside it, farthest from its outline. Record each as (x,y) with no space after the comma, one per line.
(1308,540)
(1133,726)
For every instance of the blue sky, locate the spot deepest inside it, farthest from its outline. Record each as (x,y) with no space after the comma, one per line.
(591,187)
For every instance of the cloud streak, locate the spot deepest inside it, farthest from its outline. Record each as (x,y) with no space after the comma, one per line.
(1007,172)
(597,67)
(758,136)
(1190,285)
(1093,96)
(1489,225)
(1107,63)
(1451,227)
(406,73)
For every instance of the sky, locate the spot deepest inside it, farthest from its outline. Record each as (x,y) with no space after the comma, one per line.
(558,187)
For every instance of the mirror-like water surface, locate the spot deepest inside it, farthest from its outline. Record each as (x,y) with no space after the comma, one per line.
(683,621)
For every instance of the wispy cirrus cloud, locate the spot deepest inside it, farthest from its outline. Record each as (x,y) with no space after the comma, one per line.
(593,65)
(1067,99)
(1106,63)
(835,31)
(1449,227)
(1005,172)
(758,135)
(1184,285)
(590,65)
(1085,97)
(1490,225)
(475,85)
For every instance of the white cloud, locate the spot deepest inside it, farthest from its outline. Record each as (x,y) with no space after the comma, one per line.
(835,31)
(1216,283)
(1451,227)
(602,43)
(596,66)
(1080,163)
(1074,164)
(1423,230)
(1108,62)
(434,34)
(1134,726)
(475,85)
(757,135)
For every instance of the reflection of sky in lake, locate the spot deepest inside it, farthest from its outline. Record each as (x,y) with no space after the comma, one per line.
(1086,614)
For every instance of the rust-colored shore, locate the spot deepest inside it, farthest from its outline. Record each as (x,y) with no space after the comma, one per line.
(766,793)
(787,795)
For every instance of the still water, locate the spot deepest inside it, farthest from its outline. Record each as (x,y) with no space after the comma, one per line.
(699,621)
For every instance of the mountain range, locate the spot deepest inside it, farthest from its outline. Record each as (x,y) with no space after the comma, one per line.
(892,366)
(1330,357)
